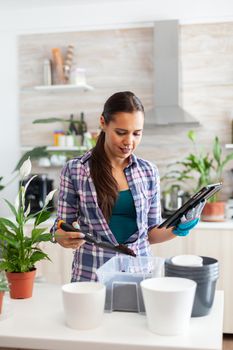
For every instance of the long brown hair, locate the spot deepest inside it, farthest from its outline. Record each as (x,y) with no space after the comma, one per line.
(100,166)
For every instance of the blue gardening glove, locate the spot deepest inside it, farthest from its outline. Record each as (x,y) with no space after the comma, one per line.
(189,221)
(183,228)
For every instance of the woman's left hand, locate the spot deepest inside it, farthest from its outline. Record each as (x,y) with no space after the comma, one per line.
(189,221)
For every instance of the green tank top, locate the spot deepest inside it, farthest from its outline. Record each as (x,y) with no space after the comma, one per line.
(123,222)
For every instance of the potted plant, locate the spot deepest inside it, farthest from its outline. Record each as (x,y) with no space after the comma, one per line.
(207,168)
(3,288)
(20,251)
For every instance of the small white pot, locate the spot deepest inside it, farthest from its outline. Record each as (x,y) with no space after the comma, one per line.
(168,303)
(83,304)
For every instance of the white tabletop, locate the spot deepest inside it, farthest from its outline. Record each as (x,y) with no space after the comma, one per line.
(38,323)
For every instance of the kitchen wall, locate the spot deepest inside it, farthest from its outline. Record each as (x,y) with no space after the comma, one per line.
(17,19)
(122,59)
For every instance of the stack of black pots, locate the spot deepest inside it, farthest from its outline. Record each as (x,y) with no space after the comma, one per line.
(205,276)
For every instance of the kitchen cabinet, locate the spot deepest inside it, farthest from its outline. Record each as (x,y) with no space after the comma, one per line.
(214,242)
(38,323)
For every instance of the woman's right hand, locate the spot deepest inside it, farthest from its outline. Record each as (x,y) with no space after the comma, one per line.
(69,239)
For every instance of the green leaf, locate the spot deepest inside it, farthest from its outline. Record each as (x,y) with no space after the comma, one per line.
(192,135)
(28,243)
(37,256)
(10,240)
(45,237)
(35,153)
(227,159)
(12,208)
(54,120)
(8,223)
(49,120)
(217,151)
(43,216)
(36,232)
(4,266)
(10,234)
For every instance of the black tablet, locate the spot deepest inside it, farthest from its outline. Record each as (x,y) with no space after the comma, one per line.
(203,194)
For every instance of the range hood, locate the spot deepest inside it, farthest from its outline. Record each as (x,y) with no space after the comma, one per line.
(167,109)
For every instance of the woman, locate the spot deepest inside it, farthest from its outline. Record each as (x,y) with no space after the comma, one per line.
(111,193)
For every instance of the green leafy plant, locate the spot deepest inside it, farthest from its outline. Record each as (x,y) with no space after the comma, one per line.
(20,251)
(206,166)
(199,162)
(209,166)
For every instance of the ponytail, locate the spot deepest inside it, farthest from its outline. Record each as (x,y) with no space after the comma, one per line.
(101,173)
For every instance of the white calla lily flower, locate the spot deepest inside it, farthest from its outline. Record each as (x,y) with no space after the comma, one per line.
(27,212)
(49,197)
(25,168)
(28,183)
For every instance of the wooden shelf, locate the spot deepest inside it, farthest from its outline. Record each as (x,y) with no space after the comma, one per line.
(56,148)
(59,88)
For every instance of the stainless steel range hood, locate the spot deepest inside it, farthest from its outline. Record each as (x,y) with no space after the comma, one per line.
(167,109)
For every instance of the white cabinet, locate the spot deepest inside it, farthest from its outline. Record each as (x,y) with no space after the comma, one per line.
(208,242)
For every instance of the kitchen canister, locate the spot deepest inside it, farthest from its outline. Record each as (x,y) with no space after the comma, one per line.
(168,303)
(205,275)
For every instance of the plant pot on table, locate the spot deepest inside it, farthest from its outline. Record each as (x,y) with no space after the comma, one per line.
(214,212)
(21,284)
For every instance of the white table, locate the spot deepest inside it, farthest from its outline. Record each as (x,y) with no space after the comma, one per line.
(38,323)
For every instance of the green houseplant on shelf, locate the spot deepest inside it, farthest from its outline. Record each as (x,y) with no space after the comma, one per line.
(206,167)
(4,287)
(20,250)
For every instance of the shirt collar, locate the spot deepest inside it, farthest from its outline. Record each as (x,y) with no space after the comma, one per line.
(85,157)
(132,160)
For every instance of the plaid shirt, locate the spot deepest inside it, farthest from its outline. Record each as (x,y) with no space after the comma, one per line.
(78,202)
